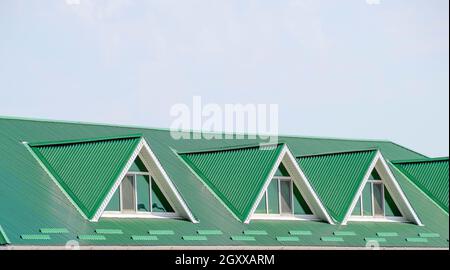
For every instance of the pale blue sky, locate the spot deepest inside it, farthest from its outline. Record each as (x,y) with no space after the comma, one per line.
(336,68)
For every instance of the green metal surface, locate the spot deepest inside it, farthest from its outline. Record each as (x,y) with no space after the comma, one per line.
(336,177)
(86,170)
(54,230)
(26,186)
(236,176)
(430,175)
(3,237)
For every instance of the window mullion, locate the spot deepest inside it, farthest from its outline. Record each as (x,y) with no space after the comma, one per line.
(292,197)
(373,200)
(135,192)
(150,188)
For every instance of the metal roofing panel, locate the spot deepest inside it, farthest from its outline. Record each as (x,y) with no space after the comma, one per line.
(46,206)
(236,175)
(3,238)
(336,177)
(431,176)
(86,170)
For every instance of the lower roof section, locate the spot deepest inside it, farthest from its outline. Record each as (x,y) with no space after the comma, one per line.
(430,175)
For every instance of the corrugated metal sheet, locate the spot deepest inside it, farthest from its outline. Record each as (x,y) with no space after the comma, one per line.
(3,237)
(236,176)
(336,177)
(29,200)
(431,176)
(86,170)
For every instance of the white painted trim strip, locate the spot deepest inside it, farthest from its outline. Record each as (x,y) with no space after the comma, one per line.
(186,209)
(117,182)
(360,190)
(400,192)
(389,180)
(266,184)
(285,153)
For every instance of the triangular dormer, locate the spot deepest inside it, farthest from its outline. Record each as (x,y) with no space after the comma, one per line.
(240,177)
(90,171)
(139,195)
(283,200)
(380,198)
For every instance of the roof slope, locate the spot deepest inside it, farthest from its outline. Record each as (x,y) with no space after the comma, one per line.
(86,169)
(235,175)
(336,177)
(430,175)
(46,207)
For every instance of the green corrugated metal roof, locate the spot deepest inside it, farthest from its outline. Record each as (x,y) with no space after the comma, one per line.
(86,169)
(336,177)
(430,175)
(3,237)
(39,203)
(235,175)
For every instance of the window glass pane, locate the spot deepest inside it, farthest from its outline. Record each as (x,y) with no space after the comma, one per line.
(159,202)
(357,209)
(281,171)
(138,166)
(367,200)
(128,198)
(300,205)
(143,193)
(391,209)
(378,199)
(272,193)
(374,175)
(286,199)
(261,209)
(114,203)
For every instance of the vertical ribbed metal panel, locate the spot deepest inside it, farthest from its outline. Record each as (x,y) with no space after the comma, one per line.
(236,176)
(336,177)
(87,170)
(431,176)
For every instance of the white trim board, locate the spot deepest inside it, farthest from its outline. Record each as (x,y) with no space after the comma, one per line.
(392,187)
(161,178)
(299,179)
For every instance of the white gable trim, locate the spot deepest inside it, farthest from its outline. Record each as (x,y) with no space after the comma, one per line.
(300,180)
(161,178)
(393,188)
(117,182)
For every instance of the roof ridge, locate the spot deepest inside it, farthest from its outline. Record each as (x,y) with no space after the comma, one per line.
(420,160)
(339,152)
(230,148)
(192,131)
(77,141)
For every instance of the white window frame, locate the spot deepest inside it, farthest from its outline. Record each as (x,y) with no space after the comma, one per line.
(373,217)
(136,213)
(280,215)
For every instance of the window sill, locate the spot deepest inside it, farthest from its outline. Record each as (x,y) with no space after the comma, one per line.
(378,219)
(283,217)
(140,215)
